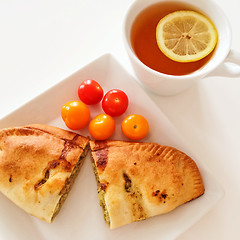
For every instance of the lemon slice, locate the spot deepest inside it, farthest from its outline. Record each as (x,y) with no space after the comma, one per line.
(186,36)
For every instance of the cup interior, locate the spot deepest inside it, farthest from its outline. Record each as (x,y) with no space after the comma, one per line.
(207,7)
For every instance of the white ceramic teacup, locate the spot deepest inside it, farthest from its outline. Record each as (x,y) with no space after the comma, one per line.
(164,84)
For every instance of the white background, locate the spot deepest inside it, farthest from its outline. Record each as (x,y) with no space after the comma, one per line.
(43,42)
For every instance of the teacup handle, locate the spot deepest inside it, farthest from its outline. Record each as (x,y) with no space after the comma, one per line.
(230,67)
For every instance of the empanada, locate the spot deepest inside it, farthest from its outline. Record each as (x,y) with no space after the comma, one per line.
(38,165)
(140,180)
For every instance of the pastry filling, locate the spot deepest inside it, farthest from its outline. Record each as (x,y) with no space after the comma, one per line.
(101,195)
(69,182)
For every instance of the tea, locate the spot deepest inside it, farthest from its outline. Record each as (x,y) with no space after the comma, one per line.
(143,40)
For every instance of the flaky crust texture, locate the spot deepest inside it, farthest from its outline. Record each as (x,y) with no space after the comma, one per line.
(141,180)
(35,162)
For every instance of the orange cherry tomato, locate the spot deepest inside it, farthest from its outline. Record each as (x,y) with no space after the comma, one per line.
(135,127)
(102,127)
(75,114)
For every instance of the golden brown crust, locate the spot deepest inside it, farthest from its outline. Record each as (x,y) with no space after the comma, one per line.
(144,179)
(35,162)
(61,133)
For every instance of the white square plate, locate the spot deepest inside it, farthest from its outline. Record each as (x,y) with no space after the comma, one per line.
(81,216)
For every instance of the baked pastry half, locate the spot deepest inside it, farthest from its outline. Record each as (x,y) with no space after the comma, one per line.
(38,165)
(140,180)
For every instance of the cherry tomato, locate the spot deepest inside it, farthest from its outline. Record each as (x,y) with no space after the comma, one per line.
(115,102)
(90,92)
(75,114)
(135,127)
(102,127)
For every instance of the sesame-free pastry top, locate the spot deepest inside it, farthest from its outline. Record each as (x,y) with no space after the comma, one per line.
(38,165)
(136,181)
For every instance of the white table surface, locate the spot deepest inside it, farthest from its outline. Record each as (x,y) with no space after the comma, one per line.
(43,42)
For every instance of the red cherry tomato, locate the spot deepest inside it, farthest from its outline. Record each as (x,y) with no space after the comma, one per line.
(90,92)
(115,102)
